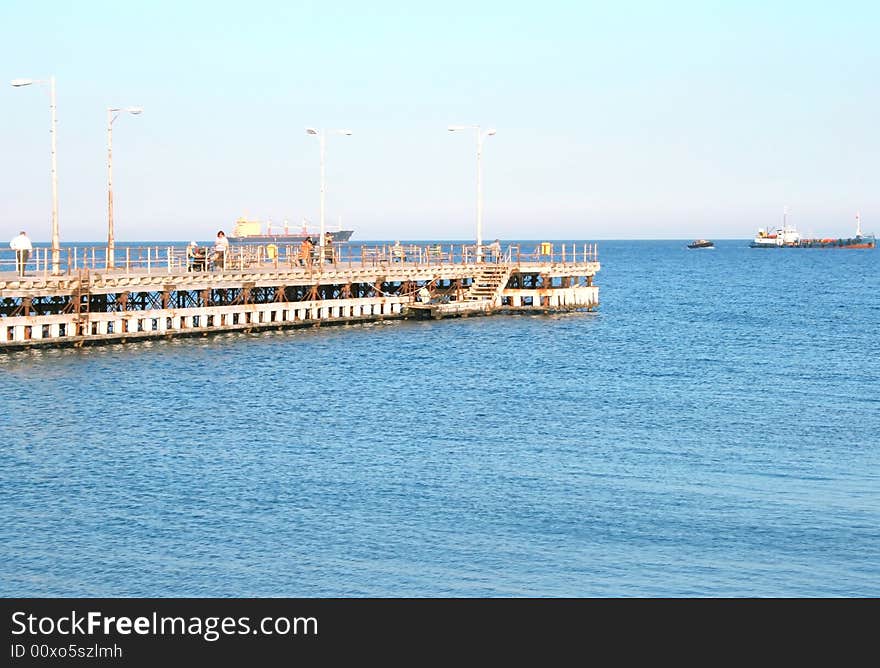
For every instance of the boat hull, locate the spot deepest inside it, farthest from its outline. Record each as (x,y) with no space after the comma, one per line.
(843,244)
(339,236)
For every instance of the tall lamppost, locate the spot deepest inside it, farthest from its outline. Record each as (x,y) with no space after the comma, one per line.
(480,136)
(56,244)
(112,115)
(322,135)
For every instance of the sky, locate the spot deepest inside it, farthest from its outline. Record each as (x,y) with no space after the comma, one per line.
(619,119)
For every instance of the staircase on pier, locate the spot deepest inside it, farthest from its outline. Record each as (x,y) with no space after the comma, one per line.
(80,302)
(488,284)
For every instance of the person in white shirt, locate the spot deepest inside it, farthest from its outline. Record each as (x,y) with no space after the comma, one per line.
(495,250)
(221,248)
(22,247)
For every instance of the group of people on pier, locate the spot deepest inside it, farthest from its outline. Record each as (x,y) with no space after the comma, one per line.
(197,256)
(200,258)
(308,253)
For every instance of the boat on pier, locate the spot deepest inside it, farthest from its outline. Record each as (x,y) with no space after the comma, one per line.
(154,294)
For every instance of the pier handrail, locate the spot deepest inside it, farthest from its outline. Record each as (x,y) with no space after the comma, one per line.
(169,259)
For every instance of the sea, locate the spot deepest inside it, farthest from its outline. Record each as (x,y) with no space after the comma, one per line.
(712,430)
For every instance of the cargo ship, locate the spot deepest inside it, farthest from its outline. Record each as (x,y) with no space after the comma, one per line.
(251,231)
(788,237)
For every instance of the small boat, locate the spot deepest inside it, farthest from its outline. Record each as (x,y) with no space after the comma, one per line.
(701,243)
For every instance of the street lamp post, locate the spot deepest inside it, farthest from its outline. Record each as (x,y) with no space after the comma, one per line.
(112,115)
(56,244)
(480,136)
(322,134)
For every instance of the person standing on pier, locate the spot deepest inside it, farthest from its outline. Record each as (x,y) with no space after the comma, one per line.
(328,248)
(305,252)
(495,250)
(22,247)
(221,247)
(191,252)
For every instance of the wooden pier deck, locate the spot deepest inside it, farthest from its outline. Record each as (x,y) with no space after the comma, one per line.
(92,305)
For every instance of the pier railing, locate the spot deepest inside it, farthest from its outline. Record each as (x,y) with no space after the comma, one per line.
(156,259)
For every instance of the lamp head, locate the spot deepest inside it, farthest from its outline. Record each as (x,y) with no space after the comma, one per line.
(18,83)
(135,110)
(311,131)
(491,132)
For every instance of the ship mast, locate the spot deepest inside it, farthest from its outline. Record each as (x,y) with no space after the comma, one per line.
(858,223)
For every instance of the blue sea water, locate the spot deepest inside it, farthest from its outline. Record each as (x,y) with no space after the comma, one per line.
(712,431)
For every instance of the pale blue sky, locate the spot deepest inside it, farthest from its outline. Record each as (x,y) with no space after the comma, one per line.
(615,119)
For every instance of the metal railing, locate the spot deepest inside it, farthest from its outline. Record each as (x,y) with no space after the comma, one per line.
(545,252)
(157,259)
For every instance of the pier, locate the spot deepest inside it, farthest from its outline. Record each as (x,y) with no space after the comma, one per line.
(156,292)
